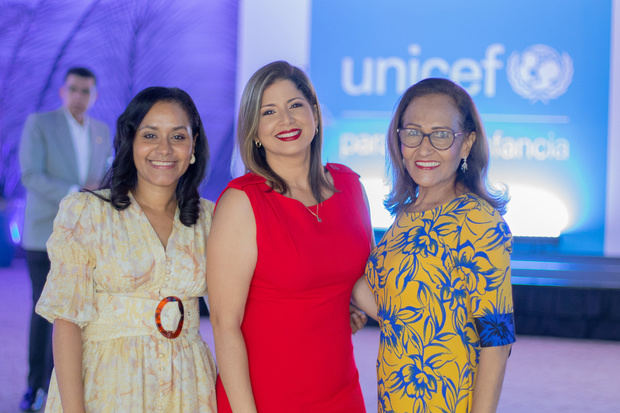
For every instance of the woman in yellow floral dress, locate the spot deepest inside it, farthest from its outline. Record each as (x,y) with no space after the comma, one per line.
(128,266)
(441,273)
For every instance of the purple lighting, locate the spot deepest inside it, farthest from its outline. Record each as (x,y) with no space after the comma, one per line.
(129,46)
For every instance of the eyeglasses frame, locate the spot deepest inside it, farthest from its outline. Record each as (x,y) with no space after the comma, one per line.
(425,135)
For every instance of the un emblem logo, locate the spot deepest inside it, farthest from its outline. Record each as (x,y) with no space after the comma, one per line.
(539,73)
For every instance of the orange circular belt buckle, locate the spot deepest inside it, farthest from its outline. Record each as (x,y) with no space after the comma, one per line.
(160,307)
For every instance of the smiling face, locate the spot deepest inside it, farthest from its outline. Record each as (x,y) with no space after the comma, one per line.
(435,170)
(287,120)
(163,146)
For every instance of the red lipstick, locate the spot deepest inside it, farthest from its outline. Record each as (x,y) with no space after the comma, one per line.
(289,135)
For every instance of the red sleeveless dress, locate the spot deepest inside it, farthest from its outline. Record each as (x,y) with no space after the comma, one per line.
(296,322)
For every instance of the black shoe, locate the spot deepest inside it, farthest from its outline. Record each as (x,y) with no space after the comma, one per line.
(32,400)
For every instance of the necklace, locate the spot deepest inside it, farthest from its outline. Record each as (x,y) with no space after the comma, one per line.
(318,218)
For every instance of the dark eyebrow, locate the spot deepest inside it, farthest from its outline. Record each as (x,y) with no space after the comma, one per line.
(148,127)
(156,128)
(288,101)
(412,124)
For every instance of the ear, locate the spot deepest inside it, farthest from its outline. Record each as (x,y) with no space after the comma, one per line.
(468,142)
(194,140)
(315,113)
(93,96)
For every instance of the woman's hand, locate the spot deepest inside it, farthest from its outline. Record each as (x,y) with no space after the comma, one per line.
(363,299)
(358,319)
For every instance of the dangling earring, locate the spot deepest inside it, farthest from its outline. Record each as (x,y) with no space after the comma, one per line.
(464,165)
(316,131)
(258,143)
(192,159)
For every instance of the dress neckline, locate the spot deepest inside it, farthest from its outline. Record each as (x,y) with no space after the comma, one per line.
(145,220)
(446,206)
(322,203)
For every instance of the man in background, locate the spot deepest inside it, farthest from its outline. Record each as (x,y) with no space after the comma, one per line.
(61,151)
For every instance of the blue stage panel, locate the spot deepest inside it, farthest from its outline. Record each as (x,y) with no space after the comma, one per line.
(540,79)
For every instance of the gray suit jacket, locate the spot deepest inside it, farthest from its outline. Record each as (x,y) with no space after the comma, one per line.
(49,169)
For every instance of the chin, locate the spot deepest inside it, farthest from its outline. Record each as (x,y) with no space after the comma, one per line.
(163,182)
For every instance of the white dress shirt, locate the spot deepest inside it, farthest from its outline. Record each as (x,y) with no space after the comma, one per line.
(80,135)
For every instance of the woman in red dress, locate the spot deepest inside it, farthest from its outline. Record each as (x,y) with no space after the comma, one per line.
(288,245)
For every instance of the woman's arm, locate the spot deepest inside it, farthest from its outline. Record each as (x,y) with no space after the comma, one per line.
(231,259)
(362,295)
(67,345)
(489,379)
(363,298)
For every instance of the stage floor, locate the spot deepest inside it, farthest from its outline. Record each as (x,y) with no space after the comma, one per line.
(544,375)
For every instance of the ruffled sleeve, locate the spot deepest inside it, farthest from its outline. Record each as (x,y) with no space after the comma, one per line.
(484,249)
(69,290)
(207,208)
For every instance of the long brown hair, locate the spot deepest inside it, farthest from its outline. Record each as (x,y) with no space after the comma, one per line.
(404,189)
(249,116)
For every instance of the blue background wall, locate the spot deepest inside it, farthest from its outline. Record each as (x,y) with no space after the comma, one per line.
(538,72)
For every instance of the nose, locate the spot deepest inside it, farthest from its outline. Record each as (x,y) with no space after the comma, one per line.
(80,95)
(425,145)
(287,117)
(164,146)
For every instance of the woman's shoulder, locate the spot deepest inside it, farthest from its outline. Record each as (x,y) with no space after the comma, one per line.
(246,180)
(83,207)
(478,216)
(481,226)
(337,168)
(344,178)
(475,205)
(246,184)
(206,206)
(85,199)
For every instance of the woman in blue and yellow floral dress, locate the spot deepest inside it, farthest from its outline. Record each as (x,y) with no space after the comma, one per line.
(441,273)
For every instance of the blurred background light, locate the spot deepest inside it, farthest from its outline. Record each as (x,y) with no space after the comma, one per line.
(536,212)
(15,233)
(376,190)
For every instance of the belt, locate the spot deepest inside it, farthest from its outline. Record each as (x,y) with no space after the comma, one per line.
(131,315)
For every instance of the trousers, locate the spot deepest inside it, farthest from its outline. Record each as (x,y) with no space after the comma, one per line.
(40,360)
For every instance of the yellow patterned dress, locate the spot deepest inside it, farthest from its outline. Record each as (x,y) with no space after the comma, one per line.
(109,273)
(441,279)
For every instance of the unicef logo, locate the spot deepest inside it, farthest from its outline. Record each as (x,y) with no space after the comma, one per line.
(540,73)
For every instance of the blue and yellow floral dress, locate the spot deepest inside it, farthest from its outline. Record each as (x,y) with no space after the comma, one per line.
(441,279)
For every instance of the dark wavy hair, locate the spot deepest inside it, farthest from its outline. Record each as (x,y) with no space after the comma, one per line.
(404,189)
(249,116)
(122,175)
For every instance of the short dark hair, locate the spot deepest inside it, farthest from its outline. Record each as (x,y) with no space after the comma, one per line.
(82,72)
(123,176)
(404,189)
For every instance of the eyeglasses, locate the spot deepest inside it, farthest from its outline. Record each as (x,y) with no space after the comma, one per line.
(439,139)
